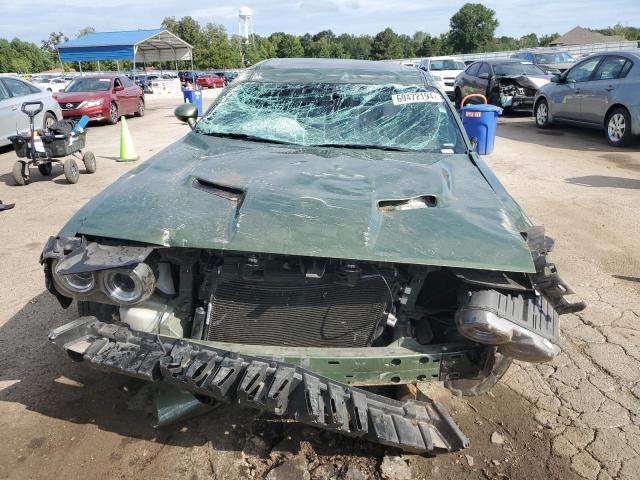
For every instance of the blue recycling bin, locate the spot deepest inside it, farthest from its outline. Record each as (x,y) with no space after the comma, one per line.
(195,97)
(480,121)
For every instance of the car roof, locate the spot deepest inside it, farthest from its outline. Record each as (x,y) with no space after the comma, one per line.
(102,75)
(504,60)
(632,52)
(328,70)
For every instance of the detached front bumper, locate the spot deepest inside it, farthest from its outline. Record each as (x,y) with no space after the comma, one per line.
(267,385)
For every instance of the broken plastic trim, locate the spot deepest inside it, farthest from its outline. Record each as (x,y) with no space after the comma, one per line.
(230,193)
(423,201)
(269,386)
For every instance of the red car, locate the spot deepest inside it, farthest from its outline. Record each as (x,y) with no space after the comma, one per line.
(210,80)
(101,98)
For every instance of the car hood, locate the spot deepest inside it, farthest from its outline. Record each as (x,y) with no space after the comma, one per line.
(529,81)
(78,96)
(220,193)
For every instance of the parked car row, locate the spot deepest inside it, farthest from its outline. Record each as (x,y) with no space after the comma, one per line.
(601,90)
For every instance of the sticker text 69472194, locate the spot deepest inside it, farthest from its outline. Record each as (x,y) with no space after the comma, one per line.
(415,97)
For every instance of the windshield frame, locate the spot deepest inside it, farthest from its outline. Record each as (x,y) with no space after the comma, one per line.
(426,84)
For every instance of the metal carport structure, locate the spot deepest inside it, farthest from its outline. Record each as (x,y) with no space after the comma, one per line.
(158,45)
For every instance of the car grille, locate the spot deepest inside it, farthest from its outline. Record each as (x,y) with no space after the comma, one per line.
(314,314)
(69,105)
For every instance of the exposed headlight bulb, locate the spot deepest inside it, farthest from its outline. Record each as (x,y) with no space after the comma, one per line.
(127,286)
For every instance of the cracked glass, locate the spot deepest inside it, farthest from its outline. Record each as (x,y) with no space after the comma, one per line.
(414,118)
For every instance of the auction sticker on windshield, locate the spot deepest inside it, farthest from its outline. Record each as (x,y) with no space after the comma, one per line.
(415,97)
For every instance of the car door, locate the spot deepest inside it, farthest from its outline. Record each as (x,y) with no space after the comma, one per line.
(6,115)
(123,100)
(483,79)
(599,90)
(131,92)
(467,85)
(20,92)
(567,96)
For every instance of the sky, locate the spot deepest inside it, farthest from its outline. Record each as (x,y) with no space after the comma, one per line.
(33,20)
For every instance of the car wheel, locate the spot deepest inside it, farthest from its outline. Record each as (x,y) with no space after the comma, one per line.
(71,171)
(542,114)
(140,112)
(113,114)
(496,366)
(19,173)
(48,120)
(618,128)
(89,160)
(45,169)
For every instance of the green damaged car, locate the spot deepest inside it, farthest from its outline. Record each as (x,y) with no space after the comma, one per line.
(324,230)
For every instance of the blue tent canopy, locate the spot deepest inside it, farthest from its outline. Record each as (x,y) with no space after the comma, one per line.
(156,45)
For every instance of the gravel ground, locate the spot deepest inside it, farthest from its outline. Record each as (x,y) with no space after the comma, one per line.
(577,417)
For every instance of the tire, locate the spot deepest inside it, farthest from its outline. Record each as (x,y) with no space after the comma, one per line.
(89,160)
(496,366)
(140,111)
(113,114)
(618,128)
(71,171)
(18,173)
(541,114)
(45,169)
(48,119)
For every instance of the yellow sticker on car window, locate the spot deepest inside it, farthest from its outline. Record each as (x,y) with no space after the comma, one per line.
(415,97)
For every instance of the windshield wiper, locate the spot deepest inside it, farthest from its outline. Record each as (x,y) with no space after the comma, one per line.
(362,147)
(243,136)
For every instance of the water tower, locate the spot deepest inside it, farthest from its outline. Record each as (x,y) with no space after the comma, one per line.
(245,23)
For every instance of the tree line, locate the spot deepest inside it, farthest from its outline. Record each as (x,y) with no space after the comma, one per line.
(471,29)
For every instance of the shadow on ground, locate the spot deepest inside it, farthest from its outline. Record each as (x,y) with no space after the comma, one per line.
(604,181)
(523,129)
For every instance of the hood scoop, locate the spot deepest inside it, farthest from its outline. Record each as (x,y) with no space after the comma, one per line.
(414,203)
(232,194)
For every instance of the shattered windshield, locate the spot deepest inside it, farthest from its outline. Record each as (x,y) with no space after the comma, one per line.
(415,118)
(517,68)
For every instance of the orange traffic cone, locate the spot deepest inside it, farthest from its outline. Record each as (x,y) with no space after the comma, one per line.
(127,150)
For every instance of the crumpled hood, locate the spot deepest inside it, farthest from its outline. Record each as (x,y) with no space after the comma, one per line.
(219,193)
(530,81)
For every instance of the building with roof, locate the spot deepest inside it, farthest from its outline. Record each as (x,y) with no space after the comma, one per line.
(583,36)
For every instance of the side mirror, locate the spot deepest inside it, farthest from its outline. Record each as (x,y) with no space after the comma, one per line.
(474,144)
(484,76)
(187,112)
(118,88)
(555,79)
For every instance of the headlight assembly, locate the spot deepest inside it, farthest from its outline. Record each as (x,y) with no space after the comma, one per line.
(78,282)
(90,103)
(127,286)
